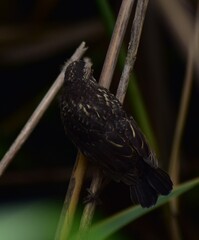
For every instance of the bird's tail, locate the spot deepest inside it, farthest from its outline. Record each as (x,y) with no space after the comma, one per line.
(145,189)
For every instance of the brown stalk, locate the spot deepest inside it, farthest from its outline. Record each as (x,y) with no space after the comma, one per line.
(130,59)
(38,113)
(180,124)
(67,214)
(115,43)
(71,199)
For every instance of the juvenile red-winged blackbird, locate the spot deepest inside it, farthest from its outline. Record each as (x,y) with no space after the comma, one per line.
(98,125)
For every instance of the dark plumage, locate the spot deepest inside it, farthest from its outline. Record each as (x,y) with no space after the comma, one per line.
(98,125)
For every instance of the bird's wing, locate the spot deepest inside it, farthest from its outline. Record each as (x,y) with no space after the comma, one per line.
(139,143)
(110,151)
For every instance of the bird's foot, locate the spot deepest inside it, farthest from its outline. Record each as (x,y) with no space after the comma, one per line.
(92,197)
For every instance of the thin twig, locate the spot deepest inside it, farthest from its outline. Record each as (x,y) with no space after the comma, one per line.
(180,124)
(38,113)
(72,195)
(67,219)
(133,89)
(89,209)
(131,56)
(115,43)
(132,49)
(71,199)
(105,81)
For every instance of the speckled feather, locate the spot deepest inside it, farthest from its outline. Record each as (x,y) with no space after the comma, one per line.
(98,125)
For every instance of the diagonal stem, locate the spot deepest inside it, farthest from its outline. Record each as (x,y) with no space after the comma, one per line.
(39,112)
(115,43)
(132,49)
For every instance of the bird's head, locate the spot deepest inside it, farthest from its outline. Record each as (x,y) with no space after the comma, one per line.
(78,71)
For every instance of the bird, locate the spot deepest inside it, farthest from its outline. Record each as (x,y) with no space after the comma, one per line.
(96,122)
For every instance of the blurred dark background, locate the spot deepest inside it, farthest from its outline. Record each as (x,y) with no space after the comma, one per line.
(36,38)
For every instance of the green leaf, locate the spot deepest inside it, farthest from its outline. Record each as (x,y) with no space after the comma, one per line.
(109,226)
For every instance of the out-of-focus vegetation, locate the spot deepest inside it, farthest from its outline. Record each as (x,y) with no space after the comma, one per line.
(36,37)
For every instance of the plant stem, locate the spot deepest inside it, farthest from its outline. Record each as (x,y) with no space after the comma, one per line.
(132,49)
(133,92)
(39,112)
(71,199)
(115,43)
(174,168)
(133,46)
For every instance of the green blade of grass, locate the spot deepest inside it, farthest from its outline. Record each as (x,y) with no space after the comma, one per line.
(109,226)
